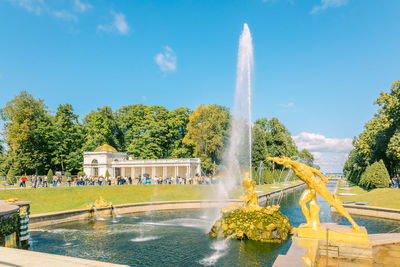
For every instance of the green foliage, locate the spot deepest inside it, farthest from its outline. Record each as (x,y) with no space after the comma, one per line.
(66,140)
(67,174)
(100,127)
(380,139)
(50,176)
(265,225)
(107,175)
(207,132)
(28,125)
(307,157)
(259,147)
(9,225)
(81,173)
(11,178)
(375,176)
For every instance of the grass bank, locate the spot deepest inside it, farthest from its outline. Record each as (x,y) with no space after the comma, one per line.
(381,197)
(67,198)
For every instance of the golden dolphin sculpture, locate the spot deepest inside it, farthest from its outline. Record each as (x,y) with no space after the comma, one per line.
(308,175)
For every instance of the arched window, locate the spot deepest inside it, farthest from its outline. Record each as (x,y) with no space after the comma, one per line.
(95,169)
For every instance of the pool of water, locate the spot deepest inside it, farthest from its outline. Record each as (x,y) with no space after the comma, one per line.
(176,238)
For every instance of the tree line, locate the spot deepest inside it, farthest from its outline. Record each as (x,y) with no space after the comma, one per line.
(36,140)
(378,143)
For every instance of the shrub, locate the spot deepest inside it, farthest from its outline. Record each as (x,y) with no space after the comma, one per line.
(81,173)
(375,176)
(50,176)
(107,175)
(67,174)
(11,178)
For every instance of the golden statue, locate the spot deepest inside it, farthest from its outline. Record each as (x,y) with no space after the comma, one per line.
(99,203)
(250,199)
(315,185)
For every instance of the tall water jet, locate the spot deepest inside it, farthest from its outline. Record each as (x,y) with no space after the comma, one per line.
(238,155)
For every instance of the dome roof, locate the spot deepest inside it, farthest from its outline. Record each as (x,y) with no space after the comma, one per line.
(106,148)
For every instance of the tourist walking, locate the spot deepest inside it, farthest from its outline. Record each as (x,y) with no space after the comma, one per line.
(45,181)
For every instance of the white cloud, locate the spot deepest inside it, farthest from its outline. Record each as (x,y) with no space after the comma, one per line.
(166,60)
(40,7)
(325,4)
(33,6)
(318,142)
(119,24)
(65,15)
(288,105)
(81,7)
(329,153)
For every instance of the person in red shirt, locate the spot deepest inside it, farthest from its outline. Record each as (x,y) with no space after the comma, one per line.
(23,181)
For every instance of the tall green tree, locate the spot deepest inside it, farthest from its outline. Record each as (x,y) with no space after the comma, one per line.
(67,140)
(207,132)
(28,128)
(379,139)
(278,139)
(259,147)
(177,122)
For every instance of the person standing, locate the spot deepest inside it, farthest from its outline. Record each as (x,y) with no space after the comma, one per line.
(55,178)
(45,181)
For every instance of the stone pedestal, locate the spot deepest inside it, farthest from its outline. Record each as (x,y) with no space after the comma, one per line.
(331,243)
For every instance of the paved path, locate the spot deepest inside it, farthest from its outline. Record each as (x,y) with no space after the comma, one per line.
(17,257)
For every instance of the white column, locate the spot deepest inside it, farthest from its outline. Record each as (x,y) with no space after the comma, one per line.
(187,172)
(164,171)
(133,174)
(143,170)
(198,169)
(122,171)
(176,171)
(153,172)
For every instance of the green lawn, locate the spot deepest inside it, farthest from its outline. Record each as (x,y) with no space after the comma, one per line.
(67,198)
(382,197)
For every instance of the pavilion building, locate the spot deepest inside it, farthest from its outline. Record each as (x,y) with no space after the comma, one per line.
(106,157)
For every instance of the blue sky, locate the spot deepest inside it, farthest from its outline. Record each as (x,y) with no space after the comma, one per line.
(319,64)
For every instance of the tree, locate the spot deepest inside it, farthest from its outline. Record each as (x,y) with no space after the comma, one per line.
(28,127)
(67,140)
(100,128)
(375,176)
(11,178)
(378,140)
(50,175)
(278,140)
(207,132)
(307,157)
(177,122)
(393,150)
(259,147)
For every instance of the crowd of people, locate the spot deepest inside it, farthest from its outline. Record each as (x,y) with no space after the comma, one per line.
(395,182)
(37,181)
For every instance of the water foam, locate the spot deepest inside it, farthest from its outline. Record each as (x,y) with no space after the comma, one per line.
(144,238)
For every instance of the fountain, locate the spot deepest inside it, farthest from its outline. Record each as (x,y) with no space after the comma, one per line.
(237,159)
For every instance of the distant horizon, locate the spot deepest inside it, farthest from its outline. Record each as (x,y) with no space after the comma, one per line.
(319,64)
